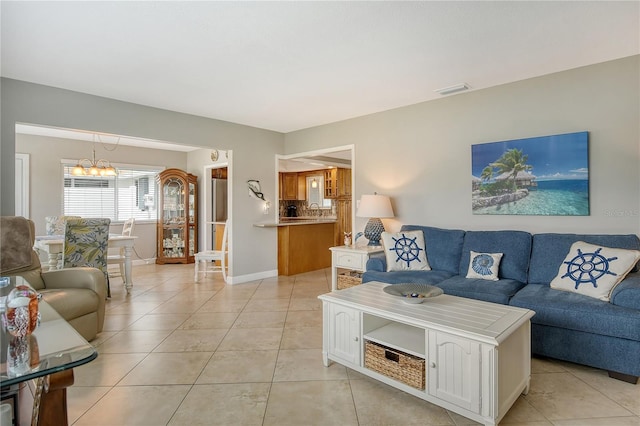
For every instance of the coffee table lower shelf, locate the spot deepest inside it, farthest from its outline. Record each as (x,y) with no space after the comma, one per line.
(454,342)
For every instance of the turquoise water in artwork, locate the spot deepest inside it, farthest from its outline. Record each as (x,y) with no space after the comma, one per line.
(551,198)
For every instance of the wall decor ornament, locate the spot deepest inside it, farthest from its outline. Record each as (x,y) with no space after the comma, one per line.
(255,189)
(547,176)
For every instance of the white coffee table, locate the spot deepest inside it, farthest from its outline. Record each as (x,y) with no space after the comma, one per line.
(477,354)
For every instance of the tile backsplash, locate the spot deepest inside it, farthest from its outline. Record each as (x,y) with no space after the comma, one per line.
(304,211)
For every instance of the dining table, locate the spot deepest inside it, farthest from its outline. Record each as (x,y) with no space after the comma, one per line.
(53,245)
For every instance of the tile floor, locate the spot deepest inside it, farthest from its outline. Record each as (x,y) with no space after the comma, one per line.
(176,352)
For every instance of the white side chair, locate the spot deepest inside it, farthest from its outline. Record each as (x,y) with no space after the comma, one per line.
(118,259)
(212,256)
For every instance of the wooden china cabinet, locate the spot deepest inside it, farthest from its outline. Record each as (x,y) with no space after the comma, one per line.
(178,217)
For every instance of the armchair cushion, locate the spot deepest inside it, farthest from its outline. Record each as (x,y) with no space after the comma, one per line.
(72,302)
(17,236)
(81,277)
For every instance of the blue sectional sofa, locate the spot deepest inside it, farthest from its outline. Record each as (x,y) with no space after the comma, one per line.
(566,326)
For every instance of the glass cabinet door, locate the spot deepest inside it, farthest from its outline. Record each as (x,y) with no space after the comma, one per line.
(173,203)
(192,219)
(173,211)
(177,224)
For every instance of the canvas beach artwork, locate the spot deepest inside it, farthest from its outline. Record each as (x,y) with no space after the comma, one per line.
(547,175)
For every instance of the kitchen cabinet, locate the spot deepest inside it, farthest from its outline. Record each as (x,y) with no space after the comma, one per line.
(289,186)
(337,183)
(293,186)
(178,217)
(343,220)
(304,247)
(330,190)
(344,183)
(302,186)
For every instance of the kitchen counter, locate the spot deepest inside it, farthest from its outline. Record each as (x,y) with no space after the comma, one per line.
(294,222)
(303,246)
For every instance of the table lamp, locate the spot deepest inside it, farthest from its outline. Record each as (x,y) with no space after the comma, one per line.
(374,207)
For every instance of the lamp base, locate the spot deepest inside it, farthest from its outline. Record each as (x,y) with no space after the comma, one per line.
(373,230)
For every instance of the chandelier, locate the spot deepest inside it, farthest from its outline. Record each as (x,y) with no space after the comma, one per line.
(93,167)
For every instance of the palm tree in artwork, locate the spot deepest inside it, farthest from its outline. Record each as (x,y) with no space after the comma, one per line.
(487,173)
(512,162)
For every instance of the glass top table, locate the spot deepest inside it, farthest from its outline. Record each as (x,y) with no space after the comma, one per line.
(53,346)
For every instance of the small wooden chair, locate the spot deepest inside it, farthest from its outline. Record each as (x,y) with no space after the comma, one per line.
(213,256)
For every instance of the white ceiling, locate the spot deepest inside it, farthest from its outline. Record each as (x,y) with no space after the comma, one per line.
(286,66)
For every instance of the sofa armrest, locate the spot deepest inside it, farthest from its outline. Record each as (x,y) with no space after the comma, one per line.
(377,262)
(81,277)
(627,293)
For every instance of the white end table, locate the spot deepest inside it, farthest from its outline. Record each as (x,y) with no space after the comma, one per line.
(350,257)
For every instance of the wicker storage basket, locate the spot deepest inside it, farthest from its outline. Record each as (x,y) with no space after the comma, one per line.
(392,363)
(349,279)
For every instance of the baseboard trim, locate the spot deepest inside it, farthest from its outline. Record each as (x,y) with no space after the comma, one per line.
(139,262)
(252,277)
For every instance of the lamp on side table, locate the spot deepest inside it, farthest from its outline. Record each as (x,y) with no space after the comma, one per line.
(374,207)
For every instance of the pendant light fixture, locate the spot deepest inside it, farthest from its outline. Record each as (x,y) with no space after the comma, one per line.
(93,167)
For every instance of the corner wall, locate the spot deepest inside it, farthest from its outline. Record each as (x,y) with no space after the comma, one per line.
(420,155)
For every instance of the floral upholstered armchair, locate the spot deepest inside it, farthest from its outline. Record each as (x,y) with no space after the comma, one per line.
(85,244)
(54,225)
(77,294)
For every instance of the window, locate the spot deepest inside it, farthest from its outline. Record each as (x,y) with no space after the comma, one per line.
(315,192)
(132,193)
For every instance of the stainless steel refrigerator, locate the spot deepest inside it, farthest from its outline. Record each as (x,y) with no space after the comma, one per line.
(219,200)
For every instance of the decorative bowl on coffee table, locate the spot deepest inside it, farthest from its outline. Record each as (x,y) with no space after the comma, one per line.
(413,293)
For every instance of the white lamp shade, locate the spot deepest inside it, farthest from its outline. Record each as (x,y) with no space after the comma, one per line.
(375,206)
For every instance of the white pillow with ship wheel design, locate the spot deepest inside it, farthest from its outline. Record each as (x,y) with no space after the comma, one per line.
(593,270)
(484,265)
(405,251)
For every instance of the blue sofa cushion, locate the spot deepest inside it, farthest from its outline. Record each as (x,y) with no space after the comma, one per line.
(593,270)
(573,311)
(405,251)
(549,250)
(476,288)
(401,277)
(443,246)
(484,265)
(627,293)
(515,246)
(377,262)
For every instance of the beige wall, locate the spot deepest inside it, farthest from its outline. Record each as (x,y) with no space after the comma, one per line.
(420,155)
(45,194)
(254,151)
